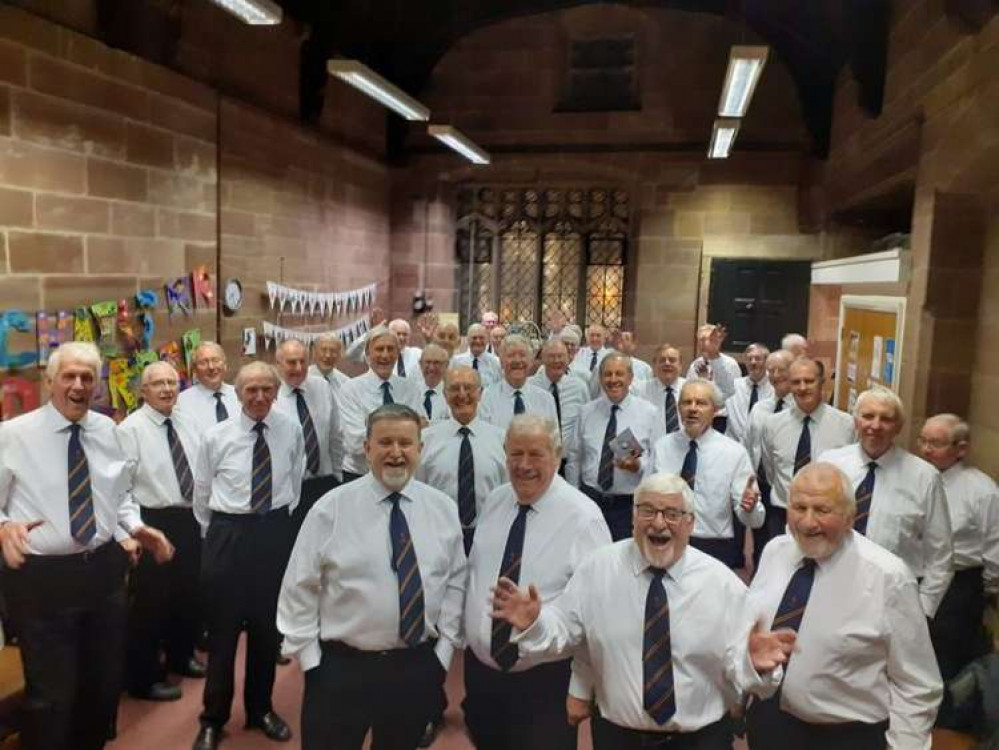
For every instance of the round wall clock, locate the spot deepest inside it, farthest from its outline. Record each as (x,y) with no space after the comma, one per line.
(232,296)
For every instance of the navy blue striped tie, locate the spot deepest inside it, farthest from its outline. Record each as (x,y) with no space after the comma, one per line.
(688,472)
(605,471)
(803,455)
(428,405)
(221,413)
(466,480)
(503,652)
(792,606)
(82,522)
(518,403)
(672,419)
(387,393)
(754,396)
(261,492)
(658,692)
(407,570)
(864,494)
(181,467)
(308,432)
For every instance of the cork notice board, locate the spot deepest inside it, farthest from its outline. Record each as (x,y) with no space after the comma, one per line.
(870,346)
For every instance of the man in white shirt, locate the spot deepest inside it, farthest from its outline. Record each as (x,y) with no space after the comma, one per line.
(465,474)
(326,354)
(568,393)
(537,529)
(309,401)
(571,339)
(662,632)
(589,357)
(209,400)
(780,398)
(68,523)
(792,438)
(247,479)
(973,506)
(360,396)
(862,675)
(900,498)
(447,336)
(497,334)
(408,363)
(164,617)
(372,598)
(433,363)
(626,344)
(796,344)
(484,363)
(713,365)
(514,394)
(663,390)
(749,391)
(718,471)
(606,475)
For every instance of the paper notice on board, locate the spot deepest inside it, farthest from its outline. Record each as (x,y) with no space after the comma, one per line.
(876,358)
(852,400)
(889,374)
(854,346)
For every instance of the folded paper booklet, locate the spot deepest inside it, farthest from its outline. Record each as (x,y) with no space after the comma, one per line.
(626,445)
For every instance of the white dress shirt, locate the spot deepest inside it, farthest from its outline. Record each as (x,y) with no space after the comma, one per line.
(143,437)
(830,428)
(497,403)
(439,410)
(863,651)
(908,514)
(358,398)
(325,412)
(654,392)
(339,584)
(723,469)
(224,468)
(198,403)
(563,527)
(754,432)
(973,503)
(602,612)
(572,395)
(640,371)
(490,370)
(34,480)
(737,407)
(584,356)
(724,372)
(442,449)
(334,377)
(638,415)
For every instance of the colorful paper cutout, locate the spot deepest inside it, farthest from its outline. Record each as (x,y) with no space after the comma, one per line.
(14,320)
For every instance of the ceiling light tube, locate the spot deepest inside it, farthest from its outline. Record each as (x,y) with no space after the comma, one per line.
(364,79)
(722,137)
(253,12)
(460,142)
(745,66)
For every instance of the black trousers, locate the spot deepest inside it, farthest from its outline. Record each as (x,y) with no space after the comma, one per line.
(765,533)
(769,728)
(165,615)
(69,613)
(243,561)
(609,736)
(349,476)
(312,489)
(518,710)
(727,551)
(957,631)
(616,510)
(389,692)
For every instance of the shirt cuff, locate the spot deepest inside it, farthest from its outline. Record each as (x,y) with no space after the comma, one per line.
(580,686)
(121,534)
(445,652)
(309,657)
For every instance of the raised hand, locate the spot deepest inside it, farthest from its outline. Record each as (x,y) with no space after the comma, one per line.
(518,607)
(750,495)
(14,541)
(768,650)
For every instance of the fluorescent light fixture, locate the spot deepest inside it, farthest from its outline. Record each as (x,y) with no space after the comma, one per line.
(253,12)
(364,79)
(722,137)
(459,142)
(745,66)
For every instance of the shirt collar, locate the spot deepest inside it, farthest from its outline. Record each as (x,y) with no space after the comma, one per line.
(702,438)
(639,564)
(154,416)
(246,423)
(509,389)
(607,403)
(800,415)
(543,502)
(797,556)
(380,491)
(455,425)
(883,460)
(59,423)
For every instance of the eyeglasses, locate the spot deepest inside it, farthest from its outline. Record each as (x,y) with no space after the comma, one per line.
(937,444)
(670,515)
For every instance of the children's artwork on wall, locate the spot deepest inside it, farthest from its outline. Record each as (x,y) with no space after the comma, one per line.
(119,385)
(19,395)
(43,337)
(130,342)
(64,328)
(14,320)
(145,301)
(178,296)
(172,353)
(203,288)
(83,325)
(191,340)
(249,342)
(105,313)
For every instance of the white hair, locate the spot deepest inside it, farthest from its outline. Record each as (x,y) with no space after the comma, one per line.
(515,340)
(823,469)
(255,369)
(379,332)
(150,370)
(716,395)
(959,430)
(534,423)
(83,352)
(664,483)
(883,396)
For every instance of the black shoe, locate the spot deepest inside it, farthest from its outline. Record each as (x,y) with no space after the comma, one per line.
(430,733)
(191,668)
(271,725)
(158,691)
(208,738)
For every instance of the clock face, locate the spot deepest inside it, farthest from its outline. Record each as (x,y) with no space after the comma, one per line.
(233,295)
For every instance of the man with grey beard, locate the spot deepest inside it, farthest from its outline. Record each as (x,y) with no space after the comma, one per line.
(659,678)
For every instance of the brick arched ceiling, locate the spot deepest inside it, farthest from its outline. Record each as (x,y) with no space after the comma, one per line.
(404,40)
